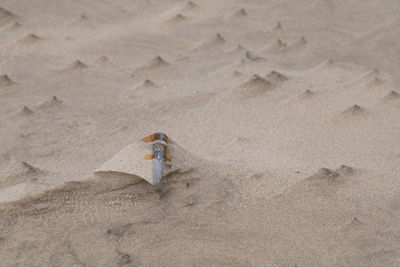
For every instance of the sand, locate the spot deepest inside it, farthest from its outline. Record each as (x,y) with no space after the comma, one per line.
(286,115)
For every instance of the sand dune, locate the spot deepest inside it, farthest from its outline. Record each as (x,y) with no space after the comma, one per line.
(316,197)
(76,194)
(283,117)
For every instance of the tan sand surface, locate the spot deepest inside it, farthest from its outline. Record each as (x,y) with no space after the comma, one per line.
(286,116)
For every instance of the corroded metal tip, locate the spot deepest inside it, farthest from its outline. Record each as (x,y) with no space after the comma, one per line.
(149,138)
(159,151)
(162,153)
(156,137)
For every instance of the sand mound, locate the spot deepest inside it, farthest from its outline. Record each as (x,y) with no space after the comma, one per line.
(324,65)
(236,15)
(77,65)
(19,173)
(82,18)
(212,41)
(367,80)
(185,102)
(5,80)
(276,46)
(132,161)
(325,181)
(371,74)
(324,175)
(253,87)
(354,110)
(392,97)
(237,49)
(158,62)
(303,96)
(146,84)
(277,27)
(250,56)
(53,102)
(235,74)
(22,113)
(276,76)
(102,59)
(178,18)
(299,43)
(14,26)
(6,15)
(374,82)
(190,6)
(30,39)
(352,114)
(155,63)
(307,94)
(240,63)
(354,224)
(346,170)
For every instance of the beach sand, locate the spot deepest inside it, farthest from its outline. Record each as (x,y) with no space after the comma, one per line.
(286,113)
